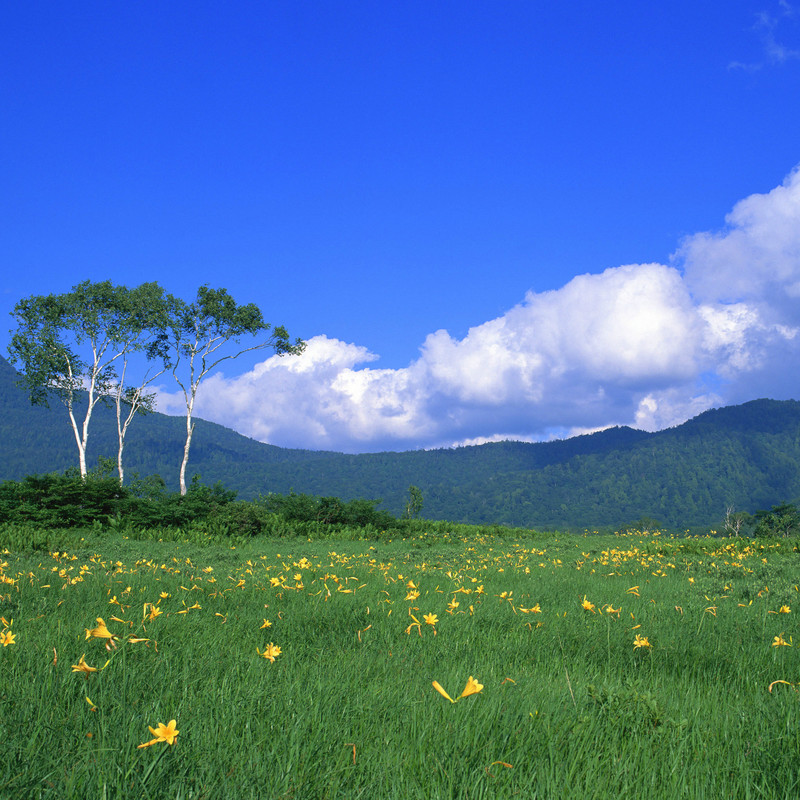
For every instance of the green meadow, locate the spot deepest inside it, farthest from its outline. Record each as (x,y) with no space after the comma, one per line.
(592,667)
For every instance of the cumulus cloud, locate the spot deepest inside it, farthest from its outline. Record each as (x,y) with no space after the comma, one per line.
(648,345)
(756,257)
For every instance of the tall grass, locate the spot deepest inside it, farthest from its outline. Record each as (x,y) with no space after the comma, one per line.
(569,708)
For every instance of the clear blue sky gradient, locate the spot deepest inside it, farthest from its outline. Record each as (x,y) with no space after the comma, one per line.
(376,171)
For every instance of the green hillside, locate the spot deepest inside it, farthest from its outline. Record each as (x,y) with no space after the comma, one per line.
(745,456)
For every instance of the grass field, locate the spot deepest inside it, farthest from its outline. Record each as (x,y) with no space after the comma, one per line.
(297,669)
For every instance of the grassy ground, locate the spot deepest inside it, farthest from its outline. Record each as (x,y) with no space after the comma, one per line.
(569,708)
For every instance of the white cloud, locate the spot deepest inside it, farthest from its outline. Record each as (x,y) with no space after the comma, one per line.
(643,344)
(756,258)
(766,27)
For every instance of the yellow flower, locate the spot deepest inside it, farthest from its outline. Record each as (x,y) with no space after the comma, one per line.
(472,687)
(609,609)
(779,641)
(452,606)
(271,652)
(587,606)
(412,595)
(784,610)
(165,595)
(163,733)
(414,624)
(7,638)
(438,686)
(83,667)
(155,611)
(431,619)
(101,632)
(267,624)
(641,641)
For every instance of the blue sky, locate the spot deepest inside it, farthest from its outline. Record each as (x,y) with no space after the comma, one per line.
(489,220)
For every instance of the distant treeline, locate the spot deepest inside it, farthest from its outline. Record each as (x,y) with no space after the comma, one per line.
(68,501)
(743,458)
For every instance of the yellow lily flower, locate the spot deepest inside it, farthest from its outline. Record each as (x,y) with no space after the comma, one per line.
(438,686)
(271,652)
(163,733)
(101,632)
(83,667)
(472,687)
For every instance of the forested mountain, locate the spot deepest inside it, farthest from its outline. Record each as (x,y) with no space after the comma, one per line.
(745,456)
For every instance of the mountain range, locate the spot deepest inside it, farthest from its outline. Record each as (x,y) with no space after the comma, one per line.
(745,457)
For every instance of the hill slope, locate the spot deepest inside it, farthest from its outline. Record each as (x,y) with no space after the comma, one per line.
(744,456)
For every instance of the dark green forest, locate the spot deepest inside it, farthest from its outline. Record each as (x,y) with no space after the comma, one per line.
(743,457)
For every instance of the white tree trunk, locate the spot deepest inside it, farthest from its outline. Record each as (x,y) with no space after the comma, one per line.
(189,432)
(80,442)
(119,459)
(81,435)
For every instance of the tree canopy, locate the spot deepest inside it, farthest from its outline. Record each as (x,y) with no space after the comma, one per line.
(78,347)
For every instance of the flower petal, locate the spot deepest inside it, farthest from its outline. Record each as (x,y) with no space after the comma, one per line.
(438,686)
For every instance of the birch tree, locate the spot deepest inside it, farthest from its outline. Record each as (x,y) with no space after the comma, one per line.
(70,347)
(148,309)
(208,331)
(67,345)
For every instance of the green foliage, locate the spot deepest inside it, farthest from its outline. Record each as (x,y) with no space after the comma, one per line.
(781,520)
(628,709)
(68,501)
(214,317)
(60,501)
(24,537)
(329,510)
(414,503)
